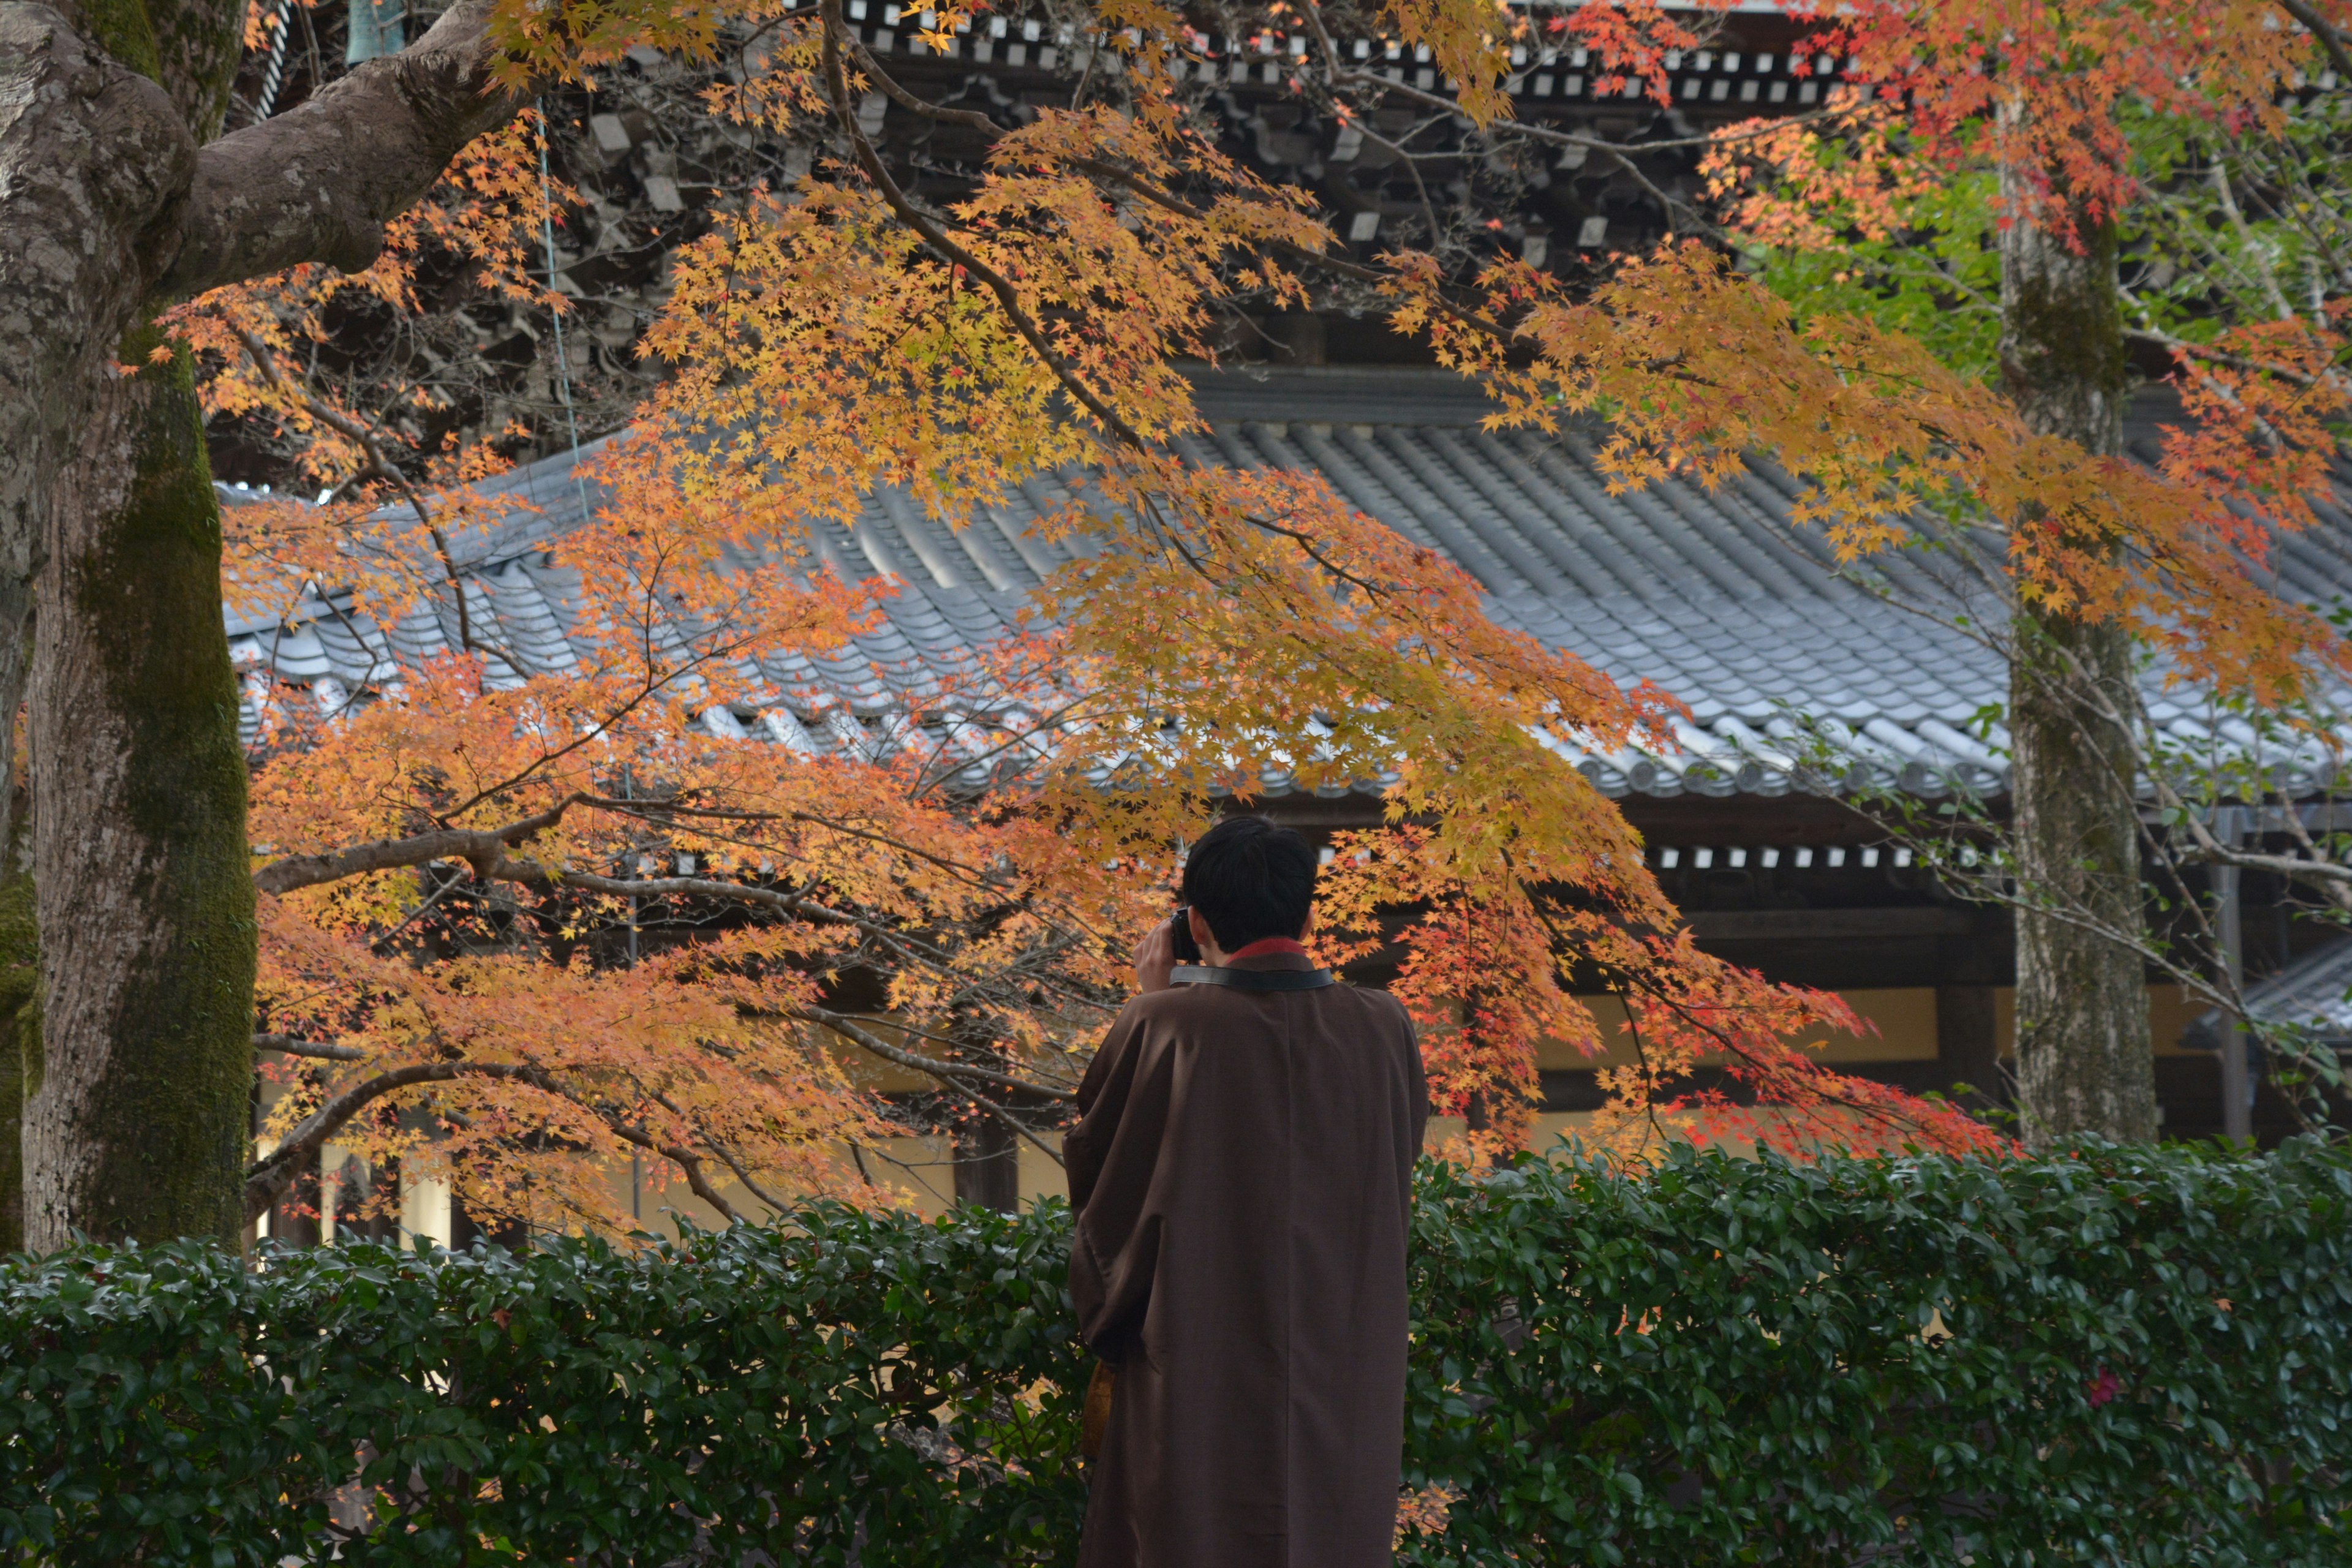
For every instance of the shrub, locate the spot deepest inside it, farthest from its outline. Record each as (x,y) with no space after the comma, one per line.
(2134,1355)
(861,1380)
(2129,1355)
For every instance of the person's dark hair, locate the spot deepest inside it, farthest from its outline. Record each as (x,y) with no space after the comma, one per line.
(1250,880)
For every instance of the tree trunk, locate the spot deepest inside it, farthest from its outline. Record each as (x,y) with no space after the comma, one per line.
(20,950)
(136,1127)
(145,892)
(91,152)
(988,1164)
(109,207)
(20,1044)
(2084,1057)
(20,993)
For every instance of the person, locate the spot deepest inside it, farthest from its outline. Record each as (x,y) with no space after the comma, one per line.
(1241,1171)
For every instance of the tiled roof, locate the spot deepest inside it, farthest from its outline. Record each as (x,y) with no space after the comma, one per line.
(1711,597)
(2312,996)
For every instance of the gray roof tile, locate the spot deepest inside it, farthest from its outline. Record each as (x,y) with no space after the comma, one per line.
(1710,596)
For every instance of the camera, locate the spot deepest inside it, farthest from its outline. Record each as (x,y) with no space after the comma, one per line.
(1179,937)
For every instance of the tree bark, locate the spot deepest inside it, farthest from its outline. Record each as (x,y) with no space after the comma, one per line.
(138,1126)
(20,1044)
(91,155)
(144,893)
(988,1164)
(111,205)
(20,950)
(2084,1057)
(20,972)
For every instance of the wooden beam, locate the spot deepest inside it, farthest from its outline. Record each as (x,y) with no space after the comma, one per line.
(1841,925)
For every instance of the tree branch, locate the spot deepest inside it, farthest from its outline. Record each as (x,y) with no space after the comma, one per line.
(318,1050)
(934,235)
(776,1205)
(2320,27)
(2327,876)
(947,1072)
(540,878)
(697,1180)
(483,848)
(360,436)
(319,181)
(274,1173)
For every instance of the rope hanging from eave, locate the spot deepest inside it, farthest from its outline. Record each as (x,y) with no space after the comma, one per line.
(562,359)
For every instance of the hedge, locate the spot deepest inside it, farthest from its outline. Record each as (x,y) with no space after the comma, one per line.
(2123,1355)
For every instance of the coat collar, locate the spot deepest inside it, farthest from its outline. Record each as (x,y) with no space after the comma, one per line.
(1265,960)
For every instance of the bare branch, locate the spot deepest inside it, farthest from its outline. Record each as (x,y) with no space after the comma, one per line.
(2330,36)
(318,1050)
(946,1072)
(276,1171)
(483,848)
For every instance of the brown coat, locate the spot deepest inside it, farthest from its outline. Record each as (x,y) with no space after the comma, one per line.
(1242,1169)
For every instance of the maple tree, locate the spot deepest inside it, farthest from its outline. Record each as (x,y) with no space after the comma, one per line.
(856,334)
(1000,918)
(2040,196)
(1383,661)
(1347,689)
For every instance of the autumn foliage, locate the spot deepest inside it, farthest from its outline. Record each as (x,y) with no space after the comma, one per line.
(987,862)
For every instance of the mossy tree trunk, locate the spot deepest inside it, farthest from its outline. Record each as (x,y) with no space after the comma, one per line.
(2083,1057)
(20,954)
(134,1124)
(118,196)
(20,1040)
(145,890)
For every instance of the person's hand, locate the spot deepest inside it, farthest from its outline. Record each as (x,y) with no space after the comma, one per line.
(1155,955)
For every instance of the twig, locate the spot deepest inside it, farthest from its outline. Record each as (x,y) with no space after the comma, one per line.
(272,1175)
(318,1050)
(865,1039)
(360,436)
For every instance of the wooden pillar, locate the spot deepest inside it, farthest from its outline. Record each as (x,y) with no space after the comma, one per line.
(988,1164)
(1967,1042)
(2237,1082)
(294,1218)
